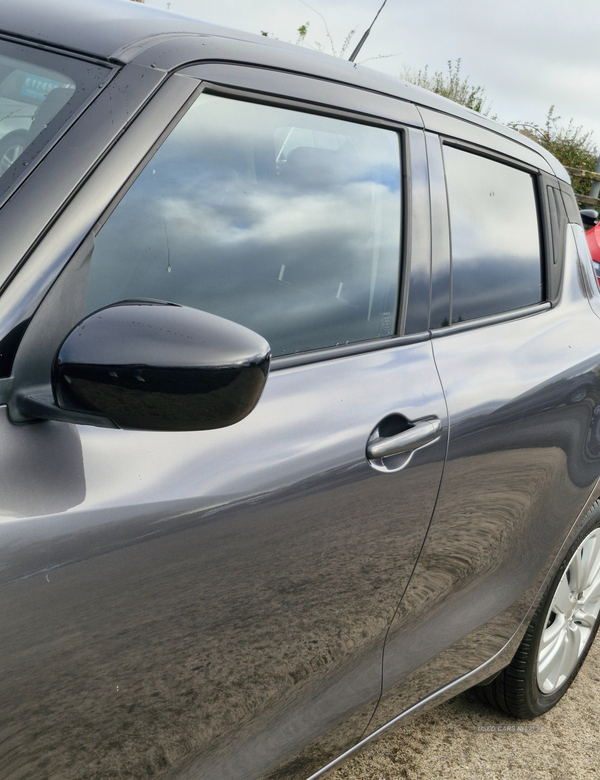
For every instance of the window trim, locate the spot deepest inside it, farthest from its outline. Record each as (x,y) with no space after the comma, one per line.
(346,350)
(555,250)
(492,319)
(491,154)
(441,256)
(134,174)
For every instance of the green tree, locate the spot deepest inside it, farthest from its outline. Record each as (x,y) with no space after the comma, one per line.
(571,144)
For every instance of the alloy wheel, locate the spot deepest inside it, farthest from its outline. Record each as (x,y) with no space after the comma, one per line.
(571,616)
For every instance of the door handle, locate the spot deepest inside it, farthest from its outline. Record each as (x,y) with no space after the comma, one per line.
(421,433)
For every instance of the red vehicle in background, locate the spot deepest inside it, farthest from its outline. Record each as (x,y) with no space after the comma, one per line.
(593,239)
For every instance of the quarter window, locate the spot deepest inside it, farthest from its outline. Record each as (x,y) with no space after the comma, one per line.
(496,255)
(288,223)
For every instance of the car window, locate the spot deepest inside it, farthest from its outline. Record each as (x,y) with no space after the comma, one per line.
(286,222)
(495,239)
(39,91)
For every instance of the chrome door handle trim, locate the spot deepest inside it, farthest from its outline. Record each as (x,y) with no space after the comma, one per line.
(421,433)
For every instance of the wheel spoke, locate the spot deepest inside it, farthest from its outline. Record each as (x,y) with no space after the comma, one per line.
(549,667)
(549,635)
(550,647)
(576,572)
(573,647)
(565,659)
(590,561)
(561,602)
(585,618)
(592,593)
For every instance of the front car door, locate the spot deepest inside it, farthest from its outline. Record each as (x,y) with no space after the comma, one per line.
(211,602)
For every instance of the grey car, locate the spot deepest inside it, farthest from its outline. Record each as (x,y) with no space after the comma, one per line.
(300,390)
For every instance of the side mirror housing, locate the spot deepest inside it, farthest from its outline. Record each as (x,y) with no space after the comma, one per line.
(589,217)
(150,365)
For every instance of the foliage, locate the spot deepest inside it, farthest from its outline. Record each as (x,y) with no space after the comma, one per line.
(302,38)
(450,84)
(570,144)
(302,33)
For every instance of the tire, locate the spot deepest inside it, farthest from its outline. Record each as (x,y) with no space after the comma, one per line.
(559,636)
(11,146)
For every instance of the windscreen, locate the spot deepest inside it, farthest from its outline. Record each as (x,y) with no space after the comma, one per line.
(39,93)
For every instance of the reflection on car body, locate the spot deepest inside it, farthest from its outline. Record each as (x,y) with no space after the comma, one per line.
(299,379)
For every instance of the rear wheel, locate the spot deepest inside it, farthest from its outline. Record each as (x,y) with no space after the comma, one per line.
(559,636)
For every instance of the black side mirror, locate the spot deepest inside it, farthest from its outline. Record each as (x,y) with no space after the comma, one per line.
(154,366)
(589,217)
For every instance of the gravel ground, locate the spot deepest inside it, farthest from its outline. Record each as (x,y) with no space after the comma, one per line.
(465,739)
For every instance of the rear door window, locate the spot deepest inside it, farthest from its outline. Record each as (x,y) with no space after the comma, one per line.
(495,236)
(286,222)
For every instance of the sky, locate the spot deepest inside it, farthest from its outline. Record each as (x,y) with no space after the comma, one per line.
(527,54)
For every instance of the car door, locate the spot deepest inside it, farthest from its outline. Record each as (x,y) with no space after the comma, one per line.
(214,603)
(516,346)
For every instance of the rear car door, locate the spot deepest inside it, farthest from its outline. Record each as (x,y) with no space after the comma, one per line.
(214,602)
(516,344)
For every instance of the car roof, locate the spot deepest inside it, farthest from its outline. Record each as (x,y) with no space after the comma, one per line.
(110,29)
(98,28)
